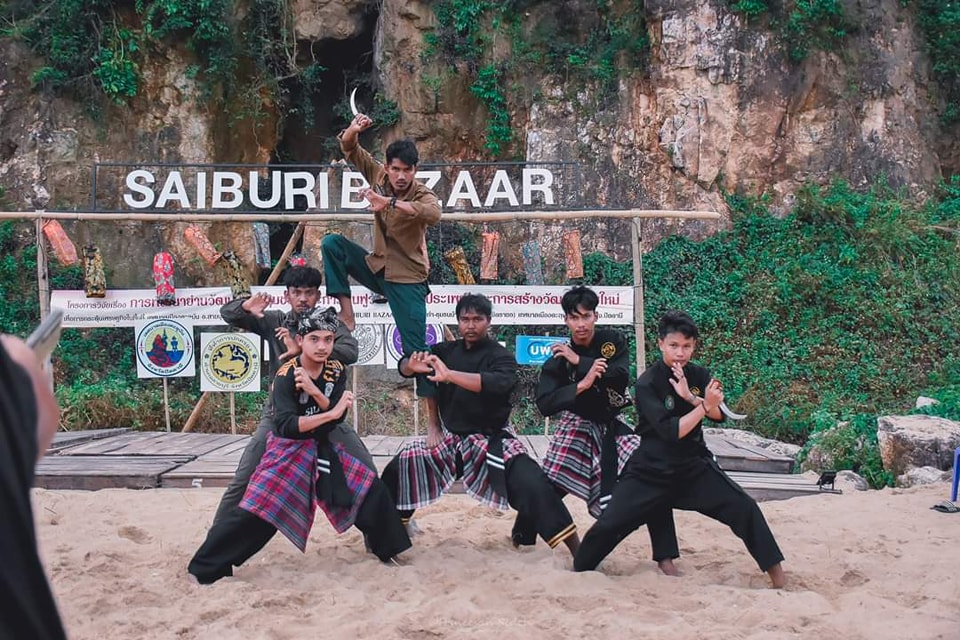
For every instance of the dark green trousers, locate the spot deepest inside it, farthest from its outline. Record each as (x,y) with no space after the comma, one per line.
(343,258)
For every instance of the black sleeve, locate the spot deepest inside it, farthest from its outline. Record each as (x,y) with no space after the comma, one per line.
(500,377)
(287,407)
(650,406)
(345,347)
(555,392)
(234,315)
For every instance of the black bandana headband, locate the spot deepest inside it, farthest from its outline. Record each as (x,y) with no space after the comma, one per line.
(318,320)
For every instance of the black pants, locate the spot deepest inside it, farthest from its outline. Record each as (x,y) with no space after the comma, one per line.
(237,536)
(540,510)
(697,485)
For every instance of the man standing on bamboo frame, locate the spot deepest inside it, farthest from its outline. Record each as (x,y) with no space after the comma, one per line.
(398,266)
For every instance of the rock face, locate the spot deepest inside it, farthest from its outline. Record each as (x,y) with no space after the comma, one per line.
(718,106)
(917,441)
(773,446)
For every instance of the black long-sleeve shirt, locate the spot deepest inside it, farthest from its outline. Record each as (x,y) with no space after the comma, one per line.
(291,404)
(602,402)
(345,347)
(659,410)
(488,411)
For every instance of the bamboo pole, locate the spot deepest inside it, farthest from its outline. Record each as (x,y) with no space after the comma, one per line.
(166,404)
(494,216)
(271,279)
(636,244)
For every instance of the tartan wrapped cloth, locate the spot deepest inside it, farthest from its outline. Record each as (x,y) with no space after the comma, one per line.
(573,460)
(282,490)
(426,474)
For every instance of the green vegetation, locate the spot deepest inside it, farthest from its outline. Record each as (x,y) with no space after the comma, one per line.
(244,57)
(804,25)
(940,23)
(848,306)
(469,38)
(96,375)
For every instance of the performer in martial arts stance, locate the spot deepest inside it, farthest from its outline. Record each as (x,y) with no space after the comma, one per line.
(673,467)
(302,467)
(278,328)
(585,384)
(469,435)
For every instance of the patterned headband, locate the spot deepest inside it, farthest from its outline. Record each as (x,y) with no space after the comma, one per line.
(318,320)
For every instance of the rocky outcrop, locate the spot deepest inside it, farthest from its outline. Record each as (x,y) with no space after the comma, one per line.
(908,442)
(773,446)
(328,19)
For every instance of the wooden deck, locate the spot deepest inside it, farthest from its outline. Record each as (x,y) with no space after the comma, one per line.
(118,458)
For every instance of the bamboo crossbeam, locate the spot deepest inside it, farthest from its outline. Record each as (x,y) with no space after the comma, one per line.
(480,216)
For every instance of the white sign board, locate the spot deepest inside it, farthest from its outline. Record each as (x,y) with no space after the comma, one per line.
(512,305)
(229,362)
(164,349)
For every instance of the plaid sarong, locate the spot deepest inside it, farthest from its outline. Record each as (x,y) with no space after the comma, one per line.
(573,458)
(282,490)
(426,474)
(359,478)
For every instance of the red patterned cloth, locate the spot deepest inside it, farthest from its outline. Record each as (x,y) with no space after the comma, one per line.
(573,458)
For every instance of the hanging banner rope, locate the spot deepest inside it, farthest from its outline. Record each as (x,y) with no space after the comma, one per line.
(491,252)
(572,254)
(457,260)
(60,242)
(532,266)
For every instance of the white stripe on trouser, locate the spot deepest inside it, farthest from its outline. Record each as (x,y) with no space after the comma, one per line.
(495,462)
(323,466)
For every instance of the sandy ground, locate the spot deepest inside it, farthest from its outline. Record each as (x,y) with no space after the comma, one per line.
(870,565)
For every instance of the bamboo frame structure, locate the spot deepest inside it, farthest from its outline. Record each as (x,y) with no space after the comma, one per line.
(636,216)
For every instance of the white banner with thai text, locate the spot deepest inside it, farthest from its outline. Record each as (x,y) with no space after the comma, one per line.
(512,305)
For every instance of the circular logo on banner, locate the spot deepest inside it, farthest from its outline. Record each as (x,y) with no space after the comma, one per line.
(165,347)
(369,340)
(230,361)
(395,344)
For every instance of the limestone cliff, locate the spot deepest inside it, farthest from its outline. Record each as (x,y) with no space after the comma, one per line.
(718,107)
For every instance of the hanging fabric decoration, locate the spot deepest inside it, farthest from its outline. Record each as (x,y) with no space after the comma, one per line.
(163,277)
(239,286)
(261,244)
(202,244)
(531,263)
(94,280)
(62,246)
(572,254)
(488,259)
(457,260)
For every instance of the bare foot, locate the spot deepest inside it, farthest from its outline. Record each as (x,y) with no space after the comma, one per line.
(778,579)
(668,568)
(348,321)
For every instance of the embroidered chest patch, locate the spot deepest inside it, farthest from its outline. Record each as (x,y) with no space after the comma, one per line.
(669,403)
(608,349)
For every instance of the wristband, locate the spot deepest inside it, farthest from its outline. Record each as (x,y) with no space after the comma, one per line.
(393,202)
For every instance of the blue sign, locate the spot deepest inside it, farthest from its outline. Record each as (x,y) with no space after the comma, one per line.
(536,349)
